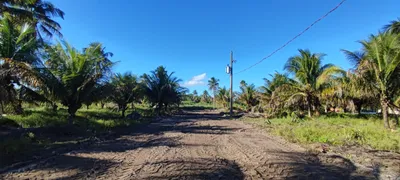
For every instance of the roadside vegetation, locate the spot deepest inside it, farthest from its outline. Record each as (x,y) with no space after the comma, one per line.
(53,94)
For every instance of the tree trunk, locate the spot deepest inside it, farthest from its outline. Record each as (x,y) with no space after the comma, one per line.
(54,107)
(309,105)
(123,112)
(384,107)
(87,106)
(18,108)
(71,111)
(2,107)
(102,105)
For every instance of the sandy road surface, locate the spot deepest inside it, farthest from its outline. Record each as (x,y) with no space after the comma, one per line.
(192,146)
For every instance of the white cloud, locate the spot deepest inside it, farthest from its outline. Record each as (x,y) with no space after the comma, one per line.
(196,81)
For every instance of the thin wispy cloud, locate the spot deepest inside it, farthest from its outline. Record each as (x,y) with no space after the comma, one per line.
(196,80)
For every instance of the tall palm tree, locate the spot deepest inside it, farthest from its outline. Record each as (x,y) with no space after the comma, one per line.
(393,27)
(125,88)
(37,12)
(310,77)
(73,75)
(162,88)
(213,85)
(381,66)
(18,58)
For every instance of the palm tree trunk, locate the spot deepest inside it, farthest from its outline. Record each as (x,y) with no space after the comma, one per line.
(384,105)
(123,111)
(214,99)
(2,107)
(309,105)
(54,107)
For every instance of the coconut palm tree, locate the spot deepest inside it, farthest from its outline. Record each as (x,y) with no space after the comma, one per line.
(393,27)
(72,75)
(310,77)
(213,85)
(381,67)
(125,88)
(18,58)
(205,97)
(248,96)
(37,12)
(223,96)
(162,89)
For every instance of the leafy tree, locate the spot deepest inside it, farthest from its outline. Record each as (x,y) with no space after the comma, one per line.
(310,76)
(37,12)
(125,89)
(223,97)
(381,66)
(213,85)
(162,89)
(205,97)
(18,60)
(393,27)
(248,96)
(73,75)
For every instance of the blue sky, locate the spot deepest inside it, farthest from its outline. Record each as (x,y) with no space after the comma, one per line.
(194,38)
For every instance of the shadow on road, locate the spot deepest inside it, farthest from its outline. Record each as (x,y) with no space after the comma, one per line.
(294,165)
(195,168)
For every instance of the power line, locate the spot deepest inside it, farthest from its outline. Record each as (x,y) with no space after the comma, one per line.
(295,37)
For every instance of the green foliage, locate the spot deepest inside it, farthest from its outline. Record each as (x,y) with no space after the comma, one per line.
(162,89)
(347,130)
(125,90)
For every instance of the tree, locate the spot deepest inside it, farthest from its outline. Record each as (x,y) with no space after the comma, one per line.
(195,97)
(310,76)
(248,96)
(273,94)
(37,12)
(162,89)
(213,85)
(125,89)
(73,75)
(393,27)
(382,65)
(18,60)
(223,96)
(205,97)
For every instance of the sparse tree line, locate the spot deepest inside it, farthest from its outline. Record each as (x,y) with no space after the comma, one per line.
(34,70)
(309,87)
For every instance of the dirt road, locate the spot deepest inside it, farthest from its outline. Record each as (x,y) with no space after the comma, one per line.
(192,146)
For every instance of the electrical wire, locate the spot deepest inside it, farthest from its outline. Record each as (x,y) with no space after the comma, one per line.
(294,38)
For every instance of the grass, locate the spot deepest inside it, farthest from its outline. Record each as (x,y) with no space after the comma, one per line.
(341,130)
(49,129)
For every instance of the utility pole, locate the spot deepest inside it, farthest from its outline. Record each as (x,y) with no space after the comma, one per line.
(229,70)
(231,90)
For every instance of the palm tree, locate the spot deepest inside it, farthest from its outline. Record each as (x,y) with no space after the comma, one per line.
(274,93)
(381,66)
(18,59)
(213,85)
(162,88)
(248,96)
(310,77)
(205,97)
(393,27)
(37,12)
(73,75)
(124,90)
(223,96)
